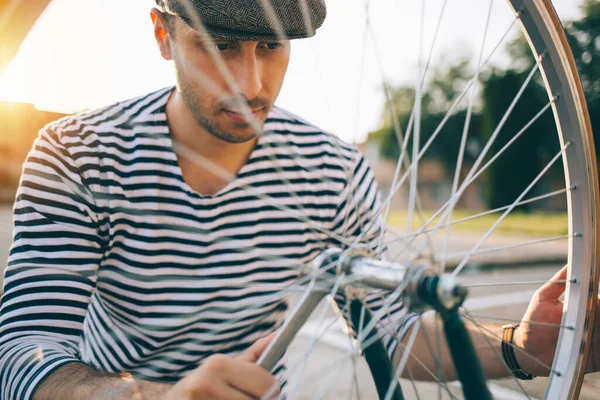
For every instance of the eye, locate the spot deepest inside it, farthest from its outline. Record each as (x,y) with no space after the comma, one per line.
(272,45)
(222,46)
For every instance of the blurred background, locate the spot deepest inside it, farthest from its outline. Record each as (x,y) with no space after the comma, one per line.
(63,56)
(59,57)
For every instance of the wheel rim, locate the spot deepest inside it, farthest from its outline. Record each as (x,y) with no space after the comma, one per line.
(545,34)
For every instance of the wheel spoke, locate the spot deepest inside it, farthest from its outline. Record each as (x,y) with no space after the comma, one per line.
(404,359)
(438,350)
(335,364)
(348,169)
(463,143)
(519,321)
(219,171)
(380,313)
(436,355)
(232,84)
(498,356)
(538,361)
(224,71)
(402,237)
(472,175)
(324,389)
(417,129)
(457,101)
(505,247)
(503,216)
(511,283)
(404,158)
(301,365)
(361,322)
(297,371)
(428,371)
(412,382)
(350,197)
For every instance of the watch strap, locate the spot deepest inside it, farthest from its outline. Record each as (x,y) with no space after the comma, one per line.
(508,353)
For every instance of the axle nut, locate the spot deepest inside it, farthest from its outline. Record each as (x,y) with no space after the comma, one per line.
(450,293)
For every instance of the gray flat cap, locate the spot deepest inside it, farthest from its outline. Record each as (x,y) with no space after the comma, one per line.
(250,19)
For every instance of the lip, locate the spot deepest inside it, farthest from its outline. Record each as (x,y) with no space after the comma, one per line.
(238,117)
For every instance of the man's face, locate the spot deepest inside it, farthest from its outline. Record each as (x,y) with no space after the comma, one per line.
(202,64)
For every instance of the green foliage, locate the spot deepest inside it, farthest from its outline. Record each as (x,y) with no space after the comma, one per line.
(436,100)
(512,172)
(518,166)
(584,39)
(583,36)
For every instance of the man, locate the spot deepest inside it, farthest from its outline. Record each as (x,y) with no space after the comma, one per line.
(152,237)
(129,256)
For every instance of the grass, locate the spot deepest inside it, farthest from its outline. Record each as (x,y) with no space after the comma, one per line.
(544,224)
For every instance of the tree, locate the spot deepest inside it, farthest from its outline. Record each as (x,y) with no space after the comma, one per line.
(584,38)
(514,170)
(518,166)
(437,98)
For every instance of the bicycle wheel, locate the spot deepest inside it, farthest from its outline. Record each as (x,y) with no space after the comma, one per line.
(555,70)
(354,227)
(542,28)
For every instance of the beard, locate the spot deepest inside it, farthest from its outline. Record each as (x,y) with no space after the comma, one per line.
(206,116)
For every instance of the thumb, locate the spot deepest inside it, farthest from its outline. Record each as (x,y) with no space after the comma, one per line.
(253,353)
(555,287)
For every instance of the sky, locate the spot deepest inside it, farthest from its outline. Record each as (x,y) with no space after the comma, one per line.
(83,54)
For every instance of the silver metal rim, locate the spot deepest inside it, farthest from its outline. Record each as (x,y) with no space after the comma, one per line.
(546,36)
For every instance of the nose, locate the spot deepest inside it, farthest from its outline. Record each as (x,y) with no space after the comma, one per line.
(247,73)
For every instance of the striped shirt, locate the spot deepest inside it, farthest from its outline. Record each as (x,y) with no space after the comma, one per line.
(118,263)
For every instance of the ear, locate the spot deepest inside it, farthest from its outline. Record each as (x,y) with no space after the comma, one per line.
(161,33)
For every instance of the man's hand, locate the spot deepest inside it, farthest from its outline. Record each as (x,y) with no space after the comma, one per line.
(222,377)
(539,337)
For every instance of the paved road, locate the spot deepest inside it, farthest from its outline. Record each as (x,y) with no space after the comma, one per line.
(324,366)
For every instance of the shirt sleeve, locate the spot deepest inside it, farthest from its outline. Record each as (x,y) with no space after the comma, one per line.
(51,272)
(358,215)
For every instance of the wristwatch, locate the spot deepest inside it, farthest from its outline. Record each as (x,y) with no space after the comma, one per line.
(508,353)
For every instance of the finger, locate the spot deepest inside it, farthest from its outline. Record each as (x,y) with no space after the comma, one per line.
(225,392)
(251,379)
(555,287)
(253,353)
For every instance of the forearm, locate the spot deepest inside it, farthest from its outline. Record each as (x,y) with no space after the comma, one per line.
(426,358)
(75,381)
